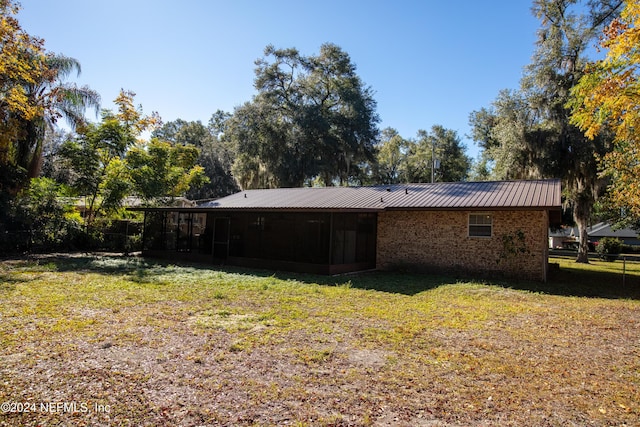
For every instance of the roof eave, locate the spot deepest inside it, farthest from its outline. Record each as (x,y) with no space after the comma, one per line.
(339,210)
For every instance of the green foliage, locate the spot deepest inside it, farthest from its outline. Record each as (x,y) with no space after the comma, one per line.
(115,186)
(480,169)
(608,248)
(605,102)
(33,96)
(95,159)
(437,156)
(527,133)
(106,162)
(53,99)
(40,218)
(514,245)
(501,132)
(312,118)
(21,64)
(391,160)
(215,155)
(159,170)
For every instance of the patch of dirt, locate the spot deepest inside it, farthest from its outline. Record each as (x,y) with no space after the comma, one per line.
(369,358)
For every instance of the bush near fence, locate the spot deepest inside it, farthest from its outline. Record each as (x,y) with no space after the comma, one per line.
(121,236)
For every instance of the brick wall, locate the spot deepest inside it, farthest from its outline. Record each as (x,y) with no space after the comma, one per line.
(439,241)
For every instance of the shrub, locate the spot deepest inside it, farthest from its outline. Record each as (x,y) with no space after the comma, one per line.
(630,249)
(39,218)
(514,245)
(609,248)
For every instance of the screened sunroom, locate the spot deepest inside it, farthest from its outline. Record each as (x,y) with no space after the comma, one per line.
(317,242)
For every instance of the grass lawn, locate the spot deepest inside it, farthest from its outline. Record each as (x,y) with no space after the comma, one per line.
(95,341)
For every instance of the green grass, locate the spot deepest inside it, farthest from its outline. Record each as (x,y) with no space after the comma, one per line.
(163,344)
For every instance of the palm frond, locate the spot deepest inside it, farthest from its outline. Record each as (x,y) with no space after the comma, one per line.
(73,101)
(63,65)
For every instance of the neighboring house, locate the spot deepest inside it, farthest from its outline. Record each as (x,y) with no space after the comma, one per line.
(564,237)
(567,237)
(603,229)
(482,228)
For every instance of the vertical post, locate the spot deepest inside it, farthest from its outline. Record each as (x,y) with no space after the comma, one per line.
(126,239)
(213,240)
(624,270)
(177,231)
(228,235)
(433,160)
(190,232)
(165,224)
(144,231)
(331,238)
(545,246)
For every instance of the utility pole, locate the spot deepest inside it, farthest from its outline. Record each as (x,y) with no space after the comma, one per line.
(434,162)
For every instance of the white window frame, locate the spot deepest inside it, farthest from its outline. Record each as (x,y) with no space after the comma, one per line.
(482,224)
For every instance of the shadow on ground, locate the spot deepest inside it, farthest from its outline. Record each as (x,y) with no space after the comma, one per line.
(575,281)
(566,281)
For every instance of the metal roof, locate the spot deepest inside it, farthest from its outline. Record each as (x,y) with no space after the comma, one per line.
(454,195)
(603,229)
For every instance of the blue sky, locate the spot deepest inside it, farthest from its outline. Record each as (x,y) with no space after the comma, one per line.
(428,62)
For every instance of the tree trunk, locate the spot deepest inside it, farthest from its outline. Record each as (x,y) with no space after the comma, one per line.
(583,248)
(34,139)
(581,213)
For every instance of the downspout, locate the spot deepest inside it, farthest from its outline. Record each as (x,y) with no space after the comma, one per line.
(545,258)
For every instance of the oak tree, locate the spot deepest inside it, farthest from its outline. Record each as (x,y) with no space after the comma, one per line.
(530,134)
(215,154)
(391,158)
(312,118)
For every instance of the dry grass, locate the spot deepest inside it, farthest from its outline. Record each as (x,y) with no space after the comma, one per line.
(130,342)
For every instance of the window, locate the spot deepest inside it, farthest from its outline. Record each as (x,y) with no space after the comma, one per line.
(480,225)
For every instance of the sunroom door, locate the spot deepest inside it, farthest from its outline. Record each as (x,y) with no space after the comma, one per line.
(221,234)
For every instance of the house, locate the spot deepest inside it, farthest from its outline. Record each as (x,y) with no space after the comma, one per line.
(482,228)
(567,237)
(564,237)
(603,229)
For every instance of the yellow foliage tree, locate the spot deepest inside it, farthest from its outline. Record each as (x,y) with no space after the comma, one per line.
(33,96)
(21,63)
(132,116)
(607,99)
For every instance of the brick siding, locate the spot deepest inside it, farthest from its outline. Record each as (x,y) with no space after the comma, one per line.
(439,241)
